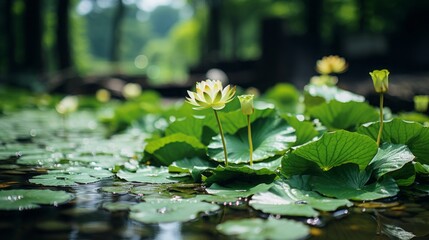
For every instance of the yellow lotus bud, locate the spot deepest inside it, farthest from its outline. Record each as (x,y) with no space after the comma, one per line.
(67,105)
(380,79)
(131,90)
(102,95)
(246,102)
(421,103)
(331,64)
(210,94)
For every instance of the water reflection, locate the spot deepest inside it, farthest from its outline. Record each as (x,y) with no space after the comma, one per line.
(168,231)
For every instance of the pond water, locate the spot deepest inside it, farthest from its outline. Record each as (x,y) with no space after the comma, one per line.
(34,142)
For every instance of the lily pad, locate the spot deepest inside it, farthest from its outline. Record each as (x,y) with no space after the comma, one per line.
(237,190)
(259,229)
(174,147)
(71,176)
(285,200)
(344,115)
(231,174)
(194,166)
(148,174)
(22,199)
(170,210)
(337,148)
(348,182)
(305,130)
(271,136)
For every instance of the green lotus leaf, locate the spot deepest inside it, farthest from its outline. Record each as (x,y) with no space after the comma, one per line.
(63,179)
(194,166)
(337,148)
(348,182)
(174,147)
(71,176)
(22,199)
(148,174)
(293,164)
(398,131)
(422,168)
(40,159)
(237,190)
(305,130)
(344,115)
(260,229)
(284,200)
(243,173)
(405,176)
(170,210)
(192,126)
(315,95)
(271,137)
(389,158)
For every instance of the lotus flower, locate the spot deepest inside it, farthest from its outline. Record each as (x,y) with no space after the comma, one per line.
(380,79)
(67,105)
(246,102)
(210,94)
(331,64)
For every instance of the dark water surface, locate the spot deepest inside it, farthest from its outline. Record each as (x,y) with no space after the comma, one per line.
(85,217)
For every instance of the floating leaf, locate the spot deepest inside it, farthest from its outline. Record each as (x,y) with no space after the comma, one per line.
(237,190)
(348,182)
(148,174)
(170,210)
(194,166)
(284,200)
(71,176)
(250,174)
(344,115)
(337,148)
(389,158)
(22,199)
(271,136)
(256,228)
(174,147)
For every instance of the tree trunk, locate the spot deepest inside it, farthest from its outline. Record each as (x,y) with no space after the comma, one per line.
(33,36)
(117,32)
(9,37)
(63,37)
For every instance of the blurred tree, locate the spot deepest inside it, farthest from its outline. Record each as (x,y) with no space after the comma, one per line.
(117,33)
(62,32)
(32,30)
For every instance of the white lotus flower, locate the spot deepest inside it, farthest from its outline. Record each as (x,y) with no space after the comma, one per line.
(210,94)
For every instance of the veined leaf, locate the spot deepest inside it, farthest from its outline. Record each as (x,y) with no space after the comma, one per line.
(349,182)
(271,136)
(174,147)
(344,115)
(337,148)
(389,158)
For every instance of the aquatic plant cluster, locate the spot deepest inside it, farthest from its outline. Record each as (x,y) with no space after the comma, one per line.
(286,154)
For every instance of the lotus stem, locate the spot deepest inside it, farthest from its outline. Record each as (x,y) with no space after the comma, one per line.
(222,138)
(249,135)
(380,131)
